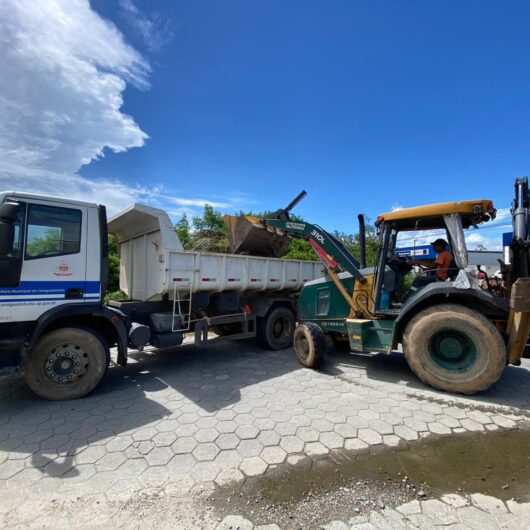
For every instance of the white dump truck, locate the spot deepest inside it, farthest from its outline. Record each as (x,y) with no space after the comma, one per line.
(54,325)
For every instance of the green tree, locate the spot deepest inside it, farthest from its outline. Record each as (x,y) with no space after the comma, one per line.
(184,232)
(352,243)
(44,245)
(209,231)
(300,249)
(114,265)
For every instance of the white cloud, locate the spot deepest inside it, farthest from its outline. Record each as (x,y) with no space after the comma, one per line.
(154,31)
(63,71)
(396,206)
(475,239)
(502,214)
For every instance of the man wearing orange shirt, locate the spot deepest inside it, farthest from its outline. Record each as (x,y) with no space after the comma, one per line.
(438,269)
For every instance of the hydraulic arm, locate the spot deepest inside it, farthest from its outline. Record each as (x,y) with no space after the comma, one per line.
(328,248)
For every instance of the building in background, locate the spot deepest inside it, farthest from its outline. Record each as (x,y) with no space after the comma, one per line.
(487,259)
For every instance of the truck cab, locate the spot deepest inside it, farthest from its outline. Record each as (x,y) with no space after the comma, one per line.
(53,270)
(46,256)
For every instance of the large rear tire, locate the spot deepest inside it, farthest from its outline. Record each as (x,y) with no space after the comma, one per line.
(275,330)
(454,348)
(309,345)
(67,363)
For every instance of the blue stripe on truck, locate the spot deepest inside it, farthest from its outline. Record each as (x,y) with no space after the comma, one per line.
(26,289)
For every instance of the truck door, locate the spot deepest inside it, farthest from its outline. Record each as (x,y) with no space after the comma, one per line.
(54,261)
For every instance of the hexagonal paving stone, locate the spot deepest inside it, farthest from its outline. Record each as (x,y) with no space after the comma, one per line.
(227,441)
(250,448)
(118,444)
(471,425)
(91,455)
(229,458)
(264,424)
(159,456)
(346,430)
(225,414)
(269,438)
(286,428)
(144,448)
(206,451)
(253,466)
(207,422)
(184,444)
(354,444)
(438,428)
(273,455)
(331,440)
(322,425)
(244,419)
(261,412)
(226,426)
(405,432)
(110,462)
(307,434)
(180,464)
(144,434)
(246,432)
(206,435)
(170,425)
(10,468)
(205,471)
(189,418)
(227,476)
(292,444)
(164,439)
(316,449)
(381,427)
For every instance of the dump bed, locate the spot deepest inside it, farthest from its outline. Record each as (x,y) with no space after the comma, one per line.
(153,262)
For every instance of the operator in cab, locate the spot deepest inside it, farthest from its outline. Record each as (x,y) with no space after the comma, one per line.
(437,270)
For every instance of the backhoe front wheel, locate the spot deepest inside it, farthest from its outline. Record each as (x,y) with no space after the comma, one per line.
(67,363)
(454,348)
(309,345)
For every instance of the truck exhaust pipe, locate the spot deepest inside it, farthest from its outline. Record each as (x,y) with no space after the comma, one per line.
(362,241)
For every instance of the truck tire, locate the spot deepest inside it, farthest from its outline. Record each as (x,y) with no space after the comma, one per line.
(67,363)
(453,348)
(275,330)
(310,345)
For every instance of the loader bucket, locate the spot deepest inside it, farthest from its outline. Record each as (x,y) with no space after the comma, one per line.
(248,235)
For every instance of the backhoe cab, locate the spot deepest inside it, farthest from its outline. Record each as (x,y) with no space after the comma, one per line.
(456,336)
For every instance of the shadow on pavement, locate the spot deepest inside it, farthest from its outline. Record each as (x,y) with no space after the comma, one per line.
(130,399)
(512,390)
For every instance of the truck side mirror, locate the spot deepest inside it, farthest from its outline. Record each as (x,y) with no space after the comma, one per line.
(9,210)
(7,238)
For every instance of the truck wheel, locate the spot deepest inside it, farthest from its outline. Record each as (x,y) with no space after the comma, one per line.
(454,348)
(276,329)
(309,345)
(67,363)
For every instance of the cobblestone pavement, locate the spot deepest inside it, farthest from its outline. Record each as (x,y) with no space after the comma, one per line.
(451,511)
(207,416)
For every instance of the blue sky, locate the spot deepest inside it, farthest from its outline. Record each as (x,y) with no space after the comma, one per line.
(367,104)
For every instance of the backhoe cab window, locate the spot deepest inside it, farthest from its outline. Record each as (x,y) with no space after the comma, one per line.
(52,231)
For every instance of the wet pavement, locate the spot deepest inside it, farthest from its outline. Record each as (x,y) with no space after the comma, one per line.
(242,424)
